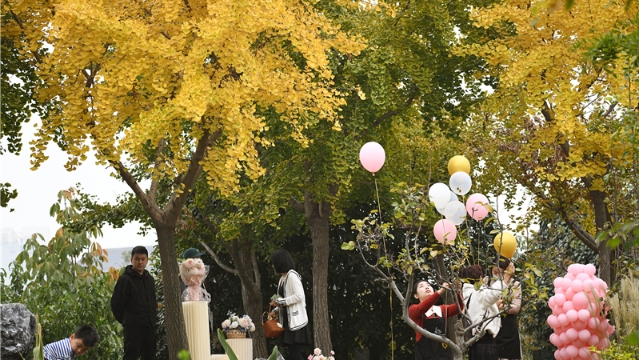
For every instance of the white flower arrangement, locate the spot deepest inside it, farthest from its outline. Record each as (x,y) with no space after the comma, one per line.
(317,355)
(235,322)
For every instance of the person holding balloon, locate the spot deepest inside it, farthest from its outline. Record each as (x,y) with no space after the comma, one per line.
(481,305)
(431,318)
(507,340)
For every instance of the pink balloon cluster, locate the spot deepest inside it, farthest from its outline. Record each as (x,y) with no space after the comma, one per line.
(578,314)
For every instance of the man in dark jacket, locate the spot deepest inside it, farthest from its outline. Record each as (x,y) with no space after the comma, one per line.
(134,306)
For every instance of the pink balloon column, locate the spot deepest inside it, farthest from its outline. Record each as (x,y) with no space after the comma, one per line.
(372,156)
(579,314)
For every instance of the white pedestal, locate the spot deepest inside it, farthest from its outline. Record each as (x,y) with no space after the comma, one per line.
(196,319)
(243,348)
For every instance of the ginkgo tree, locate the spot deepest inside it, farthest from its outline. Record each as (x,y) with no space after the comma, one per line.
(557,124)
(166,90)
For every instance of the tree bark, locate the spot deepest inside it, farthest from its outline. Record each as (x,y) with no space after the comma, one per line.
(602,219)
(318,220)
(244,259)
(174,318)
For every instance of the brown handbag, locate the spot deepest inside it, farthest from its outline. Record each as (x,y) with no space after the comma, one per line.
(272,328)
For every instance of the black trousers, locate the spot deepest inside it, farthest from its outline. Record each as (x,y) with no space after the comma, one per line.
(139,342)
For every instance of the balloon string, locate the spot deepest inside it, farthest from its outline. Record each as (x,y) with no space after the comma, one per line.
(379,206)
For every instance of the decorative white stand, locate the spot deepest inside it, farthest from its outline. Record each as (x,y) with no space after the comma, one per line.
(219,357)
(196,318)
(243,348)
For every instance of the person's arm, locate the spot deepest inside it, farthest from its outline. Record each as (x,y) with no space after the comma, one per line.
(418,310)
(118,300)
(515,303)
(295,284)
(488,295)
(453,309)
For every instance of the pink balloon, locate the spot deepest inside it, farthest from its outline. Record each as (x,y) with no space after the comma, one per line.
(570,276)
(568,306)
(583,277)
(594,340)
(551,302)
(578,343)
(576,269)
(563,354)
(576,286)
(587,285)
(584,353)
(572,351)
(584,335)
(560,299)
(557,282)
(583,314)
(563,320)
(557,310)
(604,343)
(593,323)
(569,293)
(610,330)
(558,355)
(580,301)
(572,315)
(572,334)
(445,231)
(475,206)
(566,283)
(590,269)
(372,156)
(600,285)
(554,339)
(579,325)
(552,321)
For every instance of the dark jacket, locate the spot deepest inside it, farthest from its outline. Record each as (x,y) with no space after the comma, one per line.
(133,301)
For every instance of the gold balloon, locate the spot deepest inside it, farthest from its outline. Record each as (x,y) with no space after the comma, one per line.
(507,242)
(458,163)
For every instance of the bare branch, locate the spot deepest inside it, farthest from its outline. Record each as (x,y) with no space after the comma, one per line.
(151,207)
(217,259)
(296,204)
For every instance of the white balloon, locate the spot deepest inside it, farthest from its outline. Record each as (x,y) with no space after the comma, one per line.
(455,212)
(439,194)
(460,183)
(453,197)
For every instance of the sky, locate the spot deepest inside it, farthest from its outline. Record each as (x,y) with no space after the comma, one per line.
(37,191)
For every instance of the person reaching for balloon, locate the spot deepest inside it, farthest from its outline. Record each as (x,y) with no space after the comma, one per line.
(482,309)
(432,318)
(507,340)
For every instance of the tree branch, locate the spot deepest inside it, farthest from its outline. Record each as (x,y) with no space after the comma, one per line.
(179,196)
(150,206)
(296,204)
(155,180)
(217,259)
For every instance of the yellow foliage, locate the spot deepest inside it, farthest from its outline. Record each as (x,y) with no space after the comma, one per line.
(128,74)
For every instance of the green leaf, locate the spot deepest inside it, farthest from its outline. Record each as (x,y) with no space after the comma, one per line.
(274,354)
(633,339)
(227,348)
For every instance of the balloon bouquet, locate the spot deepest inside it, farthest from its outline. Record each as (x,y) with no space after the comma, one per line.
(579,314)
(578,311)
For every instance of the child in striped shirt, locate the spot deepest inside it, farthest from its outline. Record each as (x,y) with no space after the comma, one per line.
(82,339)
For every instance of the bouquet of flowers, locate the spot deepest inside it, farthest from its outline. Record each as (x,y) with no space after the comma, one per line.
(193,273)
(234,322)
(317,355)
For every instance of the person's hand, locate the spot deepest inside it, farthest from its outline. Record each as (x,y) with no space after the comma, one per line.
(442,290)
(500,304)
(273,304)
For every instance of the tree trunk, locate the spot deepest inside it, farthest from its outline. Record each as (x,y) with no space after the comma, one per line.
(602,219)
(243,257)
(317,217)
(174,318)
(449,298)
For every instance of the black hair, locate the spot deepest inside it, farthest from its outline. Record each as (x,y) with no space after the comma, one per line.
(421,281)
(471,273)
(88,334)
(282,261)
(139,250)
(503,263)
